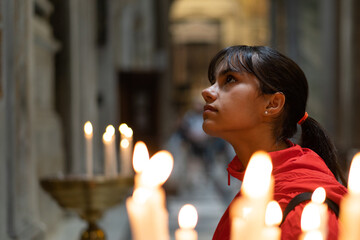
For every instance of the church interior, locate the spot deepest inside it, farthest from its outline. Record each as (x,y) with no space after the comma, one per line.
(144,63)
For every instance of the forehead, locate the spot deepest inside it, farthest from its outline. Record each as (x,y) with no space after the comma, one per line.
(232,63)
(224,67)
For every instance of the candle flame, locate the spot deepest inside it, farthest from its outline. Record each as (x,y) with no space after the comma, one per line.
(123,127)
(107,137)
(310,217)
(110,129)
(273,214)
(88,128)
(319,195)
(124,143)
(159,169)
(257,177)
(140,156)
(188,217)
(354,175)
(128,133)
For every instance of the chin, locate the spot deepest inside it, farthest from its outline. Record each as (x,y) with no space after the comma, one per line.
(209,130)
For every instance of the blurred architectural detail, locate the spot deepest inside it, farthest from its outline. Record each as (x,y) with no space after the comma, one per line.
(144,62)
(323,38)
(61,65)
(200,28)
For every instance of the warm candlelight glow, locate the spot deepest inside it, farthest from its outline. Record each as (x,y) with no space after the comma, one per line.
(313,235)
(319,195)
(354,175)
(107,136)
(123,127)
(124,143)
(245,212)
(140,157)
(140,195)
(110,129)
(310,217)
(257,177)
(88,128)
(188,217)
(273,214)
(159,169)
(128,132)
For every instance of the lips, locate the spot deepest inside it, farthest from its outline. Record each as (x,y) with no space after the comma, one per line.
(209,108)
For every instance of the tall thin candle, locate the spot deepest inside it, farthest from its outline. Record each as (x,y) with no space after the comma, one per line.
(248,212)
(125,149)
(88,132)
(110,152)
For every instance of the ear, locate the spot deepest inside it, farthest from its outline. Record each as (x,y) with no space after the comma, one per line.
(275,103)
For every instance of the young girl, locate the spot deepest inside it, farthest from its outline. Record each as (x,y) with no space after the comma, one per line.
(256,100)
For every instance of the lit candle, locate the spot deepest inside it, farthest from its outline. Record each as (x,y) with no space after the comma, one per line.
(248,212)
(126,143)
(311,222)
(140,160)
(273,217)
(350,205)
(88,132)
(188,218)
(110,152)
(318,198)
(147,213)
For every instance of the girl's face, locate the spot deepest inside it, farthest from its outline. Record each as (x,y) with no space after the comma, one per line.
(234,104)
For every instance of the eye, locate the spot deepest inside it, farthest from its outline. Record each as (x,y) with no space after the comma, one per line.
(230,79)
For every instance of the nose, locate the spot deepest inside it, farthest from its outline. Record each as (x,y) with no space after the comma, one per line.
(209,94)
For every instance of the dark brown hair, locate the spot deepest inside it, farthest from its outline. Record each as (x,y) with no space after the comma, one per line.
(278,73)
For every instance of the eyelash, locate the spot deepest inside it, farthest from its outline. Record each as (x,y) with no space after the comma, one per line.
(229,79)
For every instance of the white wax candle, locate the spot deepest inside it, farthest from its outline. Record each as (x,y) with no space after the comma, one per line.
(318,198)
(312,235)
(88,131)
(188,218)
(146,208)
(148,214)
(125,149)
(110,152)
(238,228)
(350,205)
(256,192)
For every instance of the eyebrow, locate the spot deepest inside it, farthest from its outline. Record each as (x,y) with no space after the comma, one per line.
(225,71)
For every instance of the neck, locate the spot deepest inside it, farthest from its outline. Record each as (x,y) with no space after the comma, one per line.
(245,148)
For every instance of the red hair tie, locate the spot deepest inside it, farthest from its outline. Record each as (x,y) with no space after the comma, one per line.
(302,120)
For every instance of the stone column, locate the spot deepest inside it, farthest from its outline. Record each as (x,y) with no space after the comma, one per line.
(47,133)
(19,124)
(329,71)
(83,68)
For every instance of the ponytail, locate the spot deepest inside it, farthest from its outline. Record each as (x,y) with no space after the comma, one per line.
(278,73)
(315,137)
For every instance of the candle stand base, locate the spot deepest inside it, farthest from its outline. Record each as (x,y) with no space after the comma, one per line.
(93,232)
(89,197)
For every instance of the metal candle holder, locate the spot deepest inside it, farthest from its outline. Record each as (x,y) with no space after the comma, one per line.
(89,197)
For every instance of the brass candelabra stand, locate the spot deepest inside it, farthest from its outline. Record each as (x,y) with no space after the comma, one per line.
(89,197)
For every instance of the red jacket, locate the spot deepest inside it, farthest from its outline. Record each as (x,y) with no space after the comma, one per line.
(295,170)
